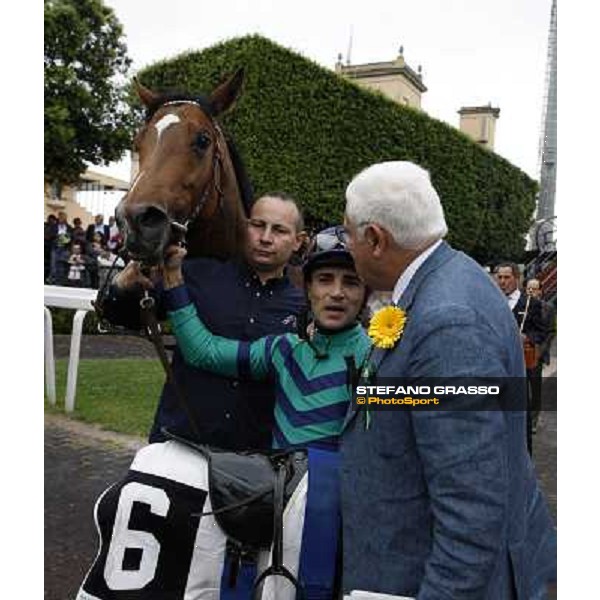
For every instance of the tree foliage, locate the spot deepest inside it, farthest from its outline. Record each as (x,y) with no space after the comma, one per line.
(306,130)
(86,116)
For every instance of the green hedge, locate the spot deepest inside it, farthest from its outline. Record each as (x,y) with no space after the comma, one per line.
(304,129)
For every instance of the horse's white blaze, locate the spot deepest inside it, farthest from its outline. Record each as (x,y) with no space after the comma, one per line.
(163,123)
(135,181)
(135,166)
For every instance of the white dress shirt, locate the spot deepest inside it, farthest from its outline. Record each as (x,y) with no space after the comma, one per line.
(513,298)
(410,271)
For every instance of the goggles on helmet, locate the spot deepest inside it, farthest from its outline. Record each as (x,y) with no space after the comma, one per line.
(333,238)
(328,247)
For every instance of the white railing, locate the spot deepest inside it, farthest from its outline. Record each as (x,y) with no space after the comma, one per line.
(79,299)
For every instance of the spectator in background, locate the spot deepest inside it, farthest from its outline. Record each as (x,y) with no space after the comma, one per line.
(49,235)
(97,243)
(533,289)
(95,248)
(108,263)
(77,275)
(97,227)
(113,228)
(527,310)
(62,235)
(78,231)
(115,239)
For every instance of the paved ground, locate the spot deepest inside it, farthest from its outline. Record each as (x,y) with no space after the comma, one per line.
(81,462)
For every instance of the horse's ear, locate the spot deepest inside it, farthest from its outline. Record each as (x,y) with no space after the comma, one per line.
(148,97)
(226,93)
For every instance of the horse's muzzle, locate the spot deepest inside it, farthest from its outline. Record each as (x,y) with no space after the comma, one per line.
(147,233)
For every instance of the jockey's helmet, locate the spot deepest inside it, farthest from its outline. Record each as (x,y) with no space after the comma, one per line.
(329,247)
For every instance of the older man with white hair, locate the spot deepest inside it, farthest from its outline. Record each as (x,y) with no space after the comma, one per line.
(437,503)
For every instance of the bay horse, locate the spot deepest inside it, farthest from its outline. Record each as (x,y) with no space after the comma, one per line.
(190,183)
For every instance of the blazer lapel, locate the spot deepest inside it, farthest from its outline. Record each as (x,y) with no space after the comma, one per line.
(441,254)
(371,367)
(519,307)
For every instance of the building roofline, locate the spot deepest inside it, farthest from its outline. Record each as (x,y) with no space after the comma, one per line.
(106,181)
(479,110)
(378,69)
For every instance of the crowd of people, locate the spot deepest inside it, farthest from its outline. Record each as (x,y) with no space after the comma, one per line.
(430,504)
(75,256)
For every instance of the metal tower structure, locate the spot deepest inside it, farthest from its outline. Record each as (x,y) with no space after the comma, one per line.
(543,231)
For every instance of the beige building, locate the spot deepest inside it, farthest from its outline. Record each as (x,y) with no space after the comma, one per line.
(67,202)
(394,79)
(479,123)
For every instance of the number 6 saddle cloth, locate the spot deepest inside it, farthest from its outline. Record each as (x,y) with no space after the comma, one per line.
(157,542)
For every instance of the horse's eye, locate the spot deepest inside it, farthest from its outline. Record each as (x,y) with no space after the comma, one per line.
(202,141)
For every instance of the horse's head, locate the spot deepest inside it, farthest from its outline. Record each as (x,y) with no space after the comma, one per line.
(185,172)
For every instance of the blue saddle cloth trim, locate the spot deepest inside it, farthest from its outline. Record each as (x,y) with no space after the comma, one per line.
(245,579)
(322,520)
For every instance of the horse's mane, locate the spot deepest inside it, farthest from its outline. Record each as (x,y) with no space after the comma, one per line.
(243,181)
(241,176)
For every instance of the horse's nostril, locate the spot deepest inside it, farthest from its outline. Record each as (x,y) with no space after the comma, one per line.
(151,218)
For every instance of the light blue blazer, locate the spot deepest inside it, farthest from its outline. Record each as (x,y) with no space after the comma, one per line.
(445,504)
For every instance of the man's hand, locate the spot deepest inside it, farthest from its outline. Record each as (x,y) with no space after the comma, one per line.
(172,275)
(131,276)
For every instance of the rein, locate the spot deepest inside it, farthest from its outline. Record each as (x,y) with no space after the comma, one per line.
(98,303)
(153,332)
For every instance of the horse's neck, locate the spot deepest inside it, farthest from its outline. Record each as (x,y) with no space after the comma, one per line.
(224,235)
(296,276)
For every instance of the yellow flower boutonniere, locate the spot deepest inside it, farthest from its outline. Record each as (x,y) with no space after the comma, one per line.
(386,326)
(385,329)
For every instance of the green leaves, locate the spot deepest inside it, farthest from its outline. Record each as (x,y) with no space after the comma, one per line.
(86,116)
(306,130)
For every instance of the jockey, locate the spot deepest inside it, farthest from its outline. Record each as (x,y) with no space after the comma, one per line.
(312,375)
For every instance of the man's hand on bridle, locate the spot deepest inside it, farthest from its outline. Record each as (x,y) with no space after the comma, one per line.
(171,269)
(132,276)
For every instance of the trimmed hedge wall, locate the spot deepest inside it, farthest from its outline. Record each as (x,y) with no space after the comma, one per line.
(304,129)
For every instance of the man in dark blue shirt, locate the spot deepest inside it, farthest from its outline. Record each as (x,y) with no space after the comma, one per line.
(240,299)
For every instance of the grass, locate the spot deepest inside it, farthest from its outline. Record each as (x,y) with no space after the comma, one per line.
(117,394)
